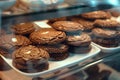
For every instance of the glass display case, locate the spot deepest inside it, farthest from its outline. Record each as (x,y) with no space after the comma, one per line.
(100,62)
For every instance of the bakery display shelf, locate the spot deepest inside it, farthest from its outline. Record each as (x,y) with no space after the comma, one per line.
(81,67)
(57,65)
(86,6)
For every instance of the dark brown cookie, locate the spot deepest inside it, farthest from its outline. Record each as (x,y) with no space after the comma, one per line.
(30,58)
(114,13)
(104,33)
(58,56)
(33,69)
(67,26)
(80,50)
(106,38)
(88,25)
(56,19)
(112,42)
(57,48)
(47,36)
(92,70)
(108,23)
(96,15)
(3,65)
(23,28)
(5,53)
(81,40)
(11,41)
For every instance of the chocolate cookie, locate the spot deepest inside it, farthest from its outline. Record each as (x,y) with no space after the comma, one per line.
(81,40)
(96,15)
(88,25)
(56,19)
(13,41)
(47,36)
(106,38)
(114,13)
(105,42)
(57,51)
(92,70)
(57,48)
(5,53)
(67,26)
(3,65)
(58,56)
(30,59)
(80,49)
(104,33)
(108,23)
(23,28)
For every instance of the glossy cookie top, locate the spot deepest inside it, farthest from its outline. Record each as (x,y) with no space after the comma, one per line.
(82,40)
(67,26)
(47,36)
(96,15)
(104,33)
(30,53)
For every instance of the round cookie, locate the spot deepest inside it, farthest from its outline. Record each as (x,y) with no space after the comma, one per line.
(114,13)
(106,38)
(56,19)
(108,23)
(81,40)
(30,59)
(67,26)
(11,41)
(57,48)
(58,56)
(5,53)
(3,65)
(104,33)
(23,28)
(80,49)
(57,52)
(47,36)
(88,25)
(96,15)
(92,70)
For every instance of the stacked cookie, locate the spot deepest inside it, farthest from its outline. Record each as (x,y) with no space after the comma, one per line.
(106,38)
(30,59)
(26,57)
(78,42)
(87,24)
(87,19)
(106,33)
(52,41)
(104,30)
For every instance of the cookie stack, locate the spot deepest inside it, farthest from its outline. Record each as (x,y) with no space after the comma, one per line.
(106,38)
(78,42)
(87,19)
(26,57)
(106,32)
(30,59)
(52,41)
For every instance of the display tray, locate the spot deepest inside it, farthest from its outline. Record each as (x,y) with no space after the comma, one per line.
(107,49)
(57,65)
